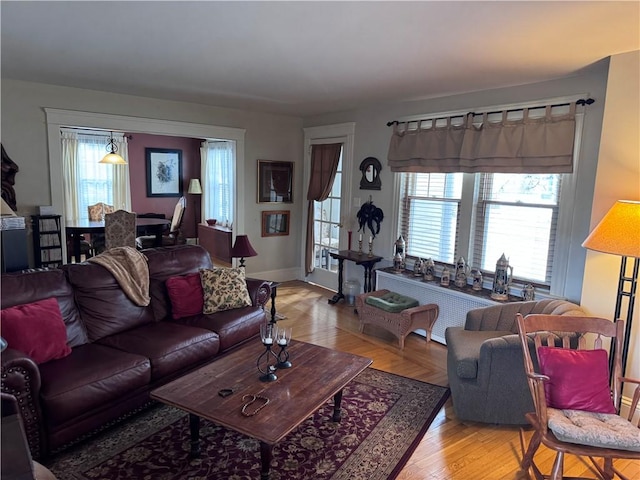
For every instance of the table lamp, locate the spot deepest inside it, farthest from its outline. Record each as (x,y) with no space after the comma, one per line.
(242,248)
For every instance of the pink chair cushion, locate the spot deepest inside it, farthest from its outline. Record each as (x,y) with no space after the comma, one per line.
(579,379)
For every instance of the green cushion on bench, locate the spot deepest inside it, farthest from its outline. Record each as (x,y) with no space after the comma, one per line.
(392,302)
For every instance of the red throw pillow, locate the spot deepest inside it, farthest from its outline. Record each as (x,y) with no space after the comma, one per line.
(579,379)
(36,329)
(185,293)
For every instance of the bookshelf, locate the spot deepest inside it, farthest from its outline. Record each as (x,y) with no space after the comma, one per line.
(47,241)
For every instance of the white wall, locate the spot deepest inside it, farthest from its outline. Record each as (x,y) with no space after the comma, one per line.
(269,137)
(617,178)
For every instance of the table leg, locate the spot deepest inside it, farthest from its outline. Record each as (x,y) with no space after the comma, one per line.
(194,429)
(337,411)
(266,455)
(274,290)
(336,298)
(367,279)
(77,254)
(158,241)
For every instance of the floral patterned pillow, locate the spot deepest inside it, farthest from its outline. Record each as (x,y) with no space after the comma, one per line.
(224,289)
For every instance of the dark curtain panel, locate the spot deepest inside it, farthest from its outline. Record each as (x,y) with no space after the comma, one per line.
(324,164)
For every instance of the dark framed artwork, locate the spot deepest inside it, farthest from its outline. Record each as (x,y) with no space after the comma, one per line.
(275,182)
(164,172)
(275,223)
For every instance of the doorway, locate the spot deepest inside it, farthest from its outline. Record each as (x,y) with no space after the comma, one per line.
(331,215)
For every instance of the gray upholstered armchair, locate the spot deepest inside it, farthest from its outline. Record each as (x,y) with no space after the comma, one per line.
(485,364)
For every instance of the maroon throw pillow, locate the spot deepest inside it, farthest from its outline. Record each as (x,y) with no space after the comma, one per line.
(36,329)
(185,293)
(579,379)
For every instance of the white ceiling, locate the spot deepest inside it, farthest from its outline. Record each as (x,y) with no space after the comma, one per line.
(305,58)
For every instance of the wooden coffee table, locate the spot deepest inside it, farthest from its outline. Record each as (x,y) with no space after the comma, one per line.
(317,374)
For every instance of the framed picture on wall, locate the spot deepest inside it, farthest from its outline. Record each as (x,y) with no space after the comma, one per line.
(164,172)
(275,182)
(275,222)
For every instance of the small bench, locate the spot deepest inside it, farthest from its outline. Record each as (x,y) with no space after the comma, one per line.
(396,313)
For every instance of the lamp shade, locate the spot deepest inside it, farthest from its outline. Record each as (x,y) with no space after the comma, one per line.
(618,232)
(113,159)
(242,248)
(194,187)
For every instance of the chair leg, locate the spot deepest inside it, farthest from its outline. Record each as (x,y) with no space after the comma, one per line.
(527,457)
(558,467)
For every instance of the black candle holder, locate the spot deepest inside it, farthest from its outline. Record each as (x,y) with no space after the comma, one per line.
(268,360)
(283,336)
(269,369)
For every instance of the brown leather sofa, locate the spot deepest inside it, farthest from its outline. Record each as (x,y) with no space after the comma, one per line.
(120,351)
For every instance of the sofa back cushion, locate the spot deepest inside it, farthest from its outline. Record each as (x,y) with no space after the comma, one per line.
(503,316)
(104,307)
(24,288)
(170,262)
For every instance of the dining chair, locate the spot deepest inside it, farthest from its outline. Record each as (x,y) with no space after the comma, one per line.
(97,213)
(174,235)
(120,229)
(576,398)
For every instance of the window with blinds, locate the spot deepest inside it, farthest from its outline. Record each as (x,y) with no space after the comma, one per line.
(514,214)
(517,214)
(430,214)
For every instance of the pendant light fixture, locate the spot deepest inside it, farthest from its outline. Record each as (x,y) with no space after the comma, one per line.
(112,157)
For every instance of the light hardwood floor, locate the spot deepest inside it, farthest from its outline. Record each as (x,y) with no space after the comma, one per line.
(451,449)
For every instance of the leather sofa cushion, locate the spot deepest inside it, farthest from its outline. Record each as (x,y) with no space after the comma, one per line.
(169,347)
(104,306)
(92,376)
(232,326)
(464,347)
(20,289)
(169,262)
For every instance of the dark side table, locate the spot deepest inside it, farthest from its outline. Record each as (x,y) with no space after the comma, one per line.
(363,259)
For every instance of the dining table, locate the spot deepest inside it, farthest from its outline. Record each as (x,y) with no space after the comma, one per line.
(74,230)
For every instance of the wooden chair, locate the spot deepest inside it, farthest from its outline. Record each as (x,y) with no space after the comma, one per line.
(120,229)
(174,236)
(594,435)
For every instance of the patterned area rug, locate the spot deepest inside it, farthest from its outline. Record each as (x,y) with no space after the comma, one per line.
(384,416)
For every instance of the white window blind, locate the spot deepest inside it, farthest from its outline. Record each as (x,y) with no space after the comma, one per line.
(429,215)
(517,214)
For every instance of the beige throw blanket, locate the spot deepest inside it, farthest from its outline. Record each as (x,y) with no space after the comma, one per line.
(130,269)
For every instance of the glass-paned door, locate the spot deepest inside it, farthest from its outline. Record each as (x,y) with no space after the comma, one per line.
(327,215)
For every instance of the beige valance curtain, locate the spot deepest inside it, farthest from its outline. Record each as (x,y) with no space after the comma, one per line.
(324,165)
(526,145)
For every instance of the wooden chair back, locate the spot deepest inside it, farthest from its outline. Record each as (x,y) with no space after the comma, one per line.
(120,229)
(178,215)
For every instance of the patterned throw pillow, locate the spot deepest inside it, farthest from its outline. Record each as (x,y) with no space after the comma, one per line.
(224,289)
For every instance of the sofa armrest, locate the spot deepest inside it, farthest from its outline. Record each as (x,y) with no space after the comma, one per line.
(20,378)
(259,291)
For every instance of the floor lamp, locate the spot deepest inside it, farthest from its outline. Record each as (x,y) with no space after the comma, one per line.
(618,233)
(195,189)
